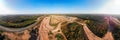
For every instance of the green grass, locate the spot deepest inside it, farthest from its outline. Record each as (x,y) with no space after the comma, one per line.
(17,21)
(17,25)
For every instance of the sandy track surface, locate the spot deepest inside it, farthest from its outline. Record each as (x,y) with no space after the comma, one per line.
(92,36)
(45,28)
(107,36)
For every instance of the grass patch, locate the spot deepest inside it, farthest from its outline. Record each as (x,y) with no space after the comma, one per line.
(17,21)
(59,37)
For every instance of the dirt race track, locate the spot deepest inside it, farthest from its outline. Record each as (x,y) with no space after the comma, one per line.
(45,31)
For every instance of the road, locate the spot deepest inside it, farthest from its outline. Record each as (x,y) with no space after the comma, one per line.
(92,36)
(19,29)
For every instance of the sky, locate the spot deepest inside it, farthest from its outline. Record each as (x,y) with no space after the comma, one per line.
(59,6)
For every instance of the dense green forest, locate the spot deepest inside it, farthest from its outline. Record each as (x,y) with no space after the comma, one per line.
(100,29)
(74,31)
(17,21)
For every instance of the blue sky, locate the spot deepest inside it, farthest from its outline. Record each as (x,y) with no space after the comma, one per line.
(57,6)
(46,5)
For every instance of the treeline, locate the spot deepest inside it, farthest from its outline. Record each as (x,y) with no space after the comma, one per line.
(98,28)
(17,21)
(17,18)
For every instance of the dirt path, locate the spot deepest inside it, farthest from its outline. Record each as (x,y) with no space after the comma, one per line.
(92,36)
(45,27)
(17,36)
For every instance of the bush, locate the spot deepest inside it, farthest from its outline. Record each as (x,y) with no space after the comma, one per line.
(99,29)
(116,34)
(74,31)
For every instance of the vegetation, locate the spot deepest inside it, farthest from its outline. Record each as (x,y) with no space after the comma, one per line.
(100,29)
(116,34)
(116,31)
(59,37)
(74,31)
(96,24)
(17,21)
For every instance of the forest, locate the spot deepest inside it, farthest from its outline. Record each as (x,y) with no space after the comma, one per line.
(17,21)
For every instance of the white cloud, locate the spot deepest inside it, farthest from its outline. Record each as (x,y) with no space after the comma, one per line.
(112,7)
(4,10)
